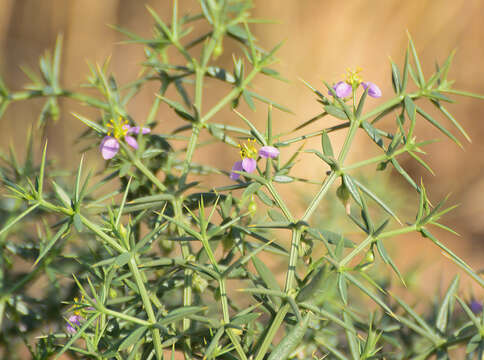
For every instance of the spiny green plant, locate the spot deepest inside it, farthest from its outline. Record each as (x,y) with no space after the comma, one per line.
(160,264)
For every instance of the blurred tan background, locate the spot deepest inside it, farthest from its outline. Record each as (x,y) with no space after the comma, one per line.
(322,39)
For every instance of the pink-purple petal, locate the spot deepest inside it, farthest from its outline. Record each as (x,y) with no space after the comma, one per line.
(475,306)
(109,147)
(268,152)
(373,89)
(249,165)
(73,322)
(342,89)
(136,130)
(237,167)
(131,141)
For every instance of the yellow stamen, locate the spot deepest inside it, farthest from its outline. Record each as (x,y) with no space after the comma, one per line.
(118,129)
(353,76)
(248,150)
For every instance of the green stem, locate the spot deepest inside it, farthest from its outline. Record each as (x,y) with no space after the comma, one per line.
(385,106)
(374,160)
(141,167)
(126,317)
(133,266)
(293,257)
(348,141)
(95,229)
(397,232)
(230,96)
(356,251)
(2,310)
(317,199)
(187,282)
(276,324)
(277,198)
(225,304)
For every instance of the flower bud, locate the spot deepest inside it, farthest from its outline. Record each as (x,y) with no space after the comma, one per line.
(113,293)
(252,208)
(199,283)
(344,195)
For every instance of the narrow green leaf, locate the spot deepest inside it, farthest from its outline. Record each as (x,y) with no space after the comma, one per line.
(289,343)
(18,218)
(343,288)
(352,338)
(96,127)
(336,112)
(370,294)
(372,132)
(42,171)
(421,162)
(326,145)
(264,198)
(276,216)
(179,108)
(446,307)
(348,181)
(132,338)
(405,72)
(248,99)
(452,119)
(267,277)
(214,343)
(62,194)
(78,182)
(395,78)
(431,332)
(283,179)
(243,260)
(76,220)
(388,260)
(402,172)
(421,79)
(45,248)
(361,104)
(269,102)
(457,260)
(438,126)
(251,189)
(376,199)
(261,139)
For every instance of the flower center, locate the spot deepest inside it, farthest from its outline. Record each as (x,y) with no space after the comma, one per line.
(353,77)
(248,150)
(118,129)
(78,310)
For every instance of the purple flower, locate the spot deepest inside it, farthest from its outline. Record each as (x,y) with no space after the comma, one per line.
(373,90)
(342,89)
(110,144)
(475,306)
(247,164)
(268,152)
(73,323)
(249,154)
